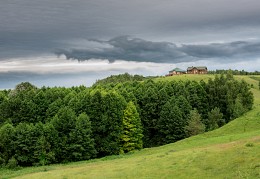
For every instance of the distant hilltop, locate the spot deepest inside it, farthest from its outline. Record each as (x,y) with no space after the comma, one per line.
(190,70)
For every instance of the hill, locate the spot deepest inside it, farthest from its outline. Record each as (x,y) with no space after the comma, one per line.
(232,151)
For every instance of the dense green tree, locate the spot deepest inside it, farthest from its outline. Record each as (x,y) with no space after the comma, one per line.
(24,86)
(215,119)
(238,108)
(198,97)
(25,140)
(81,140)
(149,115)
(41,106)
(53,108)
(132,129)
(7,134)
(113,106)
(64,122)
(184,106)
(195,125)
(246,95)
(171,124)
(45,144)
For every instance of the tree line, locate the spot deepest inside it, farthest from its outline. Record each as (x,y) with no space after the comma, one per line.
(234,72)
(40,126)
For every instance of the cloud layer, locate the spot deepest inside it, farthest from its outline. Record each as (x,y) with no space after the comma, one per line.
(137,49)
(33,27)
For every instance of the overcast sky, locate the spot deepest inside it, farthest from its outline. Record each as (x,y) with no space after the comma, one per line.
(73,42)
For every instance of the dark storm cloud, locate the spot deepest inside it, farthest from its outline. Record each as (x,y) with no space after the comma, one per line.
(219,50)
(136,49)
(126,48)
(31,27)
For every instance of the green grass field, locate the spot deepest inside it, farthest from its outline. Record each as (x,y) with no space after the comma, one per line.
(232,151)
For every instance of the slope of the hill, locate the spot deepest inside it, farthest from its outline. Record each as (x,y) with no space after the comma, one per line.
(232,151)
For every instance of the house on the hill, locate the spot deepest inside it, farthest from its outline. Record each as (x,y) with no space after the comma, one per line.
(197,70)
(176,71)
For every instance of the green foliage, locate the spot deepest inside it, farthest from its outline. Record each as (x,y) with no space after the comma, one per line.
(12,163)
(223,92)
(234,72)
(24,86)
(25,139)
(132,129)
(64,122)
(149,113)
(111,129)
(215,119)
(195,125)
(81,139)
(7,134)
(119,79)
(45,144)
(238,108)
(40,126)
(184,106)
(2,162)
(171,124)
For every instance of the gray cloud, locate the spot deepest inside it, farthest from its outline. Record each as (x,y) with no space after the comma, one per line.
(231,50)
(126,48)
(31,27)
(136,49)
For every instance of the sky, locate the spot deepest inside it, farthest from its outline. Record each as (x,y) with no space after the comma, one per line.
(76,42)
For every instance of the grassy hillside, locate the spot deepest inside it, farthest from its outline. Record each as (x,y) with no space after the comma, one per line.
(232,151)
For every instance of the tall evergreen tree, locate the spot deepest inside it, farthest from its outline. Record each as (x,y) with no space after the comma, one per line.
(215,119)
(171,124)
(184,106)
(64,123)
(81,139)
(44,150)
(25,140)
(132,129)
(7,134)
(113,106)
(195,125)
(238,108)
(149,114)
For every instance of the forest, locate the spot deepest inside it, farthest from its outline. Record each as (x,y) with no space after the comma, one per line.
(41,126)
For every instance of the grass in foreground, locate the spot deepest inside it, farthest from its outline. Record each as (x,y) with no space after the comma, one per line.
(232,151)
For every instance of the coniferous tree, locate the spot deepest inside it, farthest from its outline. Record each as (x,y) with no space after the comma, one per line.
(7,134)
(25,139)
(81,139)
(114,105)
(195,125)
(64,123)
(45,145)
(215,119)
(149,114)
(171,124)
(132,129)
(238,108)
(184,106)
